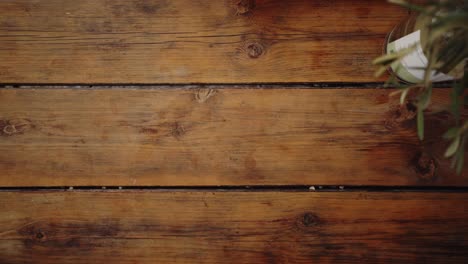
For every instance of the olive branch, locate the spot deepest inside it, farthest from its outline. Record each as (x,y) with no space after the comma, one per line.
(447,47)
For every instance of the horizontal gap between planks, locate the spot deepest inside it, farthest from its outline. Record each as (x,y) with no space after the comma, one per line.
(266,188)
(329,85)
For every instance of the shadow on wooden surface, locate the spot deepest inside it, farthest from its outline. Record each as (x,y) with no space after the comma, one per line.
(232,227)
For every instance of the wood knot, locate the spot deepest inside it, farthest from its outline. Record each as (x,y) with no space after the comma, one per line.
(254,50)
(147,7)
(400,115)
(204,94)
(35,232)
(145,130)
(40,235)
(14,126)
(9,129)
(244,6)
(178,130)
(425,166)
(309,220)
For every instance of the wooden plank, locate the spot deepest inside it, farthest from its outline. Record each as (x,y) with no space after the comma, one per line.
(179,137)
(233,227)
(185,41)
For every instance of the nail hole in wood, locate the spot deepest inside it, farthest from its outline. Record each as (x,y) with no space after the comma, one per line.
(40,235)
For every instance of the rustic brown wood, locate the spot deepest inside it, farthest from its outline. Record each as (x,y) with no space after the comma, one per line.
(66,137)
(233,227)
(186,41)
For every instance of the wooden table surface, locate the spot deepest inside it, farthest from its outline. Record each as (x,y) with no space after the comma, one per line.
(232,131)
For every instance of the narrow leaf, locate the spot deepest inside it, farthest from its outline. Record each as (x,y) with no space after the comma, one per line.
(453,147)
(451,20)
(420,123)
(425,98)
(380,71)
(386,59)
(391,57)
(451,133)
(409,5)
(403,95)
(461,156)
(460,162)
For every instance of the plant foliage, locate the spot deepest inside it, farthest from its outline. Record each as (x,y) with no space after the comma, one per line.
(447,47)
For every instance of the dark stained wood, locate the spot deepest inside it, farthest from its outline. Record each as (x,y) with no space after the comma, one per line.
(126,136)
(186,41)
(179,137)
(233,227)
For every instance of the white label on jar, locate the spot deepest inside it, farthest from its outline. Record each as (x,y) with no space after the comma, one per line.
(416,62)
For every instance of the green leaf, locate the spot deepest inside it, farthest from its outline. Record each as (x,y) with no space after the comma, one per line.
(392,81)
(446,48)
(451,133)
(425,98)
(450,57)
(409,5)
(459,87)
(453,147)
(386,59)
(420,122)
(392,57)
(460,161)
(453,163)
(452,50)
(451,20)
(460,157)
(380,71)
(403,95)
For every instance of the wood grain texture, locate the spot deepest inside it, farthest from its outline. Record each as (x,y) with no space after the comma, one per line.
(178,137)
(233,227)
(186,41)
